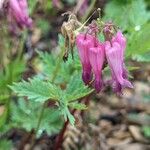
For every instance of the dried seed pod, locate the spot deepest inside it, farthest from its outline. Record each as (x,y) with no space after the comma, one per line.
(67,31)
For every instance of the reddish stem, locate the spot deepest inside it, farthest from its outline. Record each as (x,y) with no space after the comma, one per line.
(86,102)
(59,138)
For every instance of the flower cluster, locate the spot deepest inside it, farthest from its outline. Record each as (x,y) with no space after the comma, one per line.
(94,54)
(17,14)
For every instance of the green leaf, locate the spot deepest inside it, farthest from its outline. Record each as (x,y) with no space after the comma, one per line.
(131,68)
(5,144)
(48,63)
(142,58)
(76,88)
(78,106)
(133,17)
(64,71)
(43,25)
(36,90)
(11,73)
(25,114)
(139,41)
(32,5)
(127,14)
(146,131)
(116,11)
(3,118)
(138,13)
(66,113)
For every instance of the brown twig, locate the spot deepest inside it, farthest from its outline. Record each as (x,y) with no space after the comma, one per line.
(59,138)
(26,139)
(86,102)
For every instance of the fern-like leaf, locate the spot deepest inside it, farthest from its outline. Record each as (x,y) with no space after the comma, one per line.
(36,89)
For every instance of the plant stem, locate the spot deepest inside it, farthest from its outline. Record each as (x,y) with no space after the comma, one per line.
(40,118)
(86,102)
(43,108)
(38,125)
(26,139)
(20,52)
(59,138)
(57,65)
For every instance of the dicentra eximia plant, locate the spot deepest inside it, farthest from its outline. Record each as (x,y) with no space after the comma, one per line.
(94,56)
(93,53)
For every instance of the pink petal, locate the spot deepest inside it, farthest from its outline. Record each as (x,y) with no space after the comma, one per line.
(97,60)
(114,58)
(84,42)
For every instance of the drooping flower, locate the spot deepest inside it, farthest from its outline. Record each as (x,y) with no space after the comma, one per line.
(114,57)
(119,38)
(84,42)
(18,14)
(96,57)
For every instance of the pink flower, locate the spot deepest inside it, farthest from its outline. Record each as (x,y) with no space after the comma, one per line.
(92,54)
(18,14)
(96,60)
(119,38)
(84,42)
(114,57)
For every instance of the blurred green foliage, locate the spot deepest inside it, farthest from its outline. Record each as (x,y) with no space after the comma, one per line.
(146,131)
(10,73)
(132,17)
(5,145)
(25,115)
(61,82)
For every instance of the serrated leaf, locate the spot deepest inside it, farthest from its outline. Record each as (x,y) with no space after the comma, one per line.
(76,88)
(78,106)
(66,113)
(37,90)
(49,63)
(25,114)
